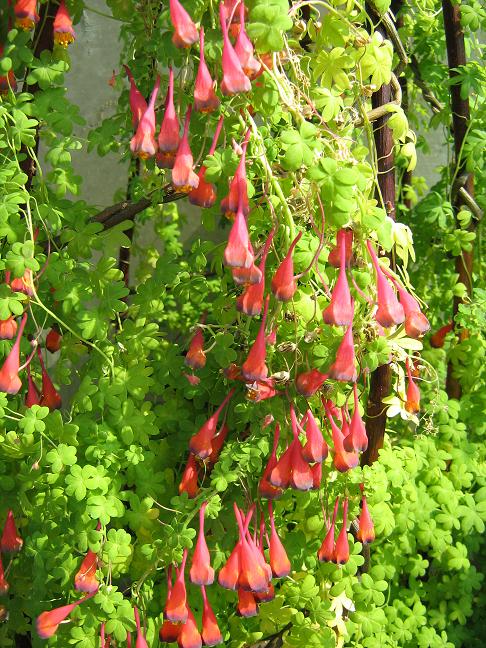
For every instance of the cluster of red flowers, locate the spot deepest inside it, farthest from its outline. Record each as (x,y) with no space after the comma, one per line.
(172,151)
(10,382)
(246,571)
(26,17)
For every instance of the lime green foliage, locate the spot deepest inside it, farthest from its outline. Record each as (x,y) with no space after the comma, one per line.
(116,451)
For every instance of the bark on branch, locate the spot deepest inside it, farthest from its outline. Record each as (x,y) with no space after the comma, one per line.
(380,381)
(456,57)
(128,209)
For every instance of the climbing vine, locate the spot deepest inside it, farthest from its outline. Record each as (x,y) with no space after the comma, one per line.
(246,437)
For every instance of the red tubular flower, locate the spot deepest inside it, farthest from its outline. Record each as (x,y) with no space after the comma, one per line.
(189,478)
(233,372)
(169,138)
(229,12)
(8,328)
(85,580)
(229,573)
(279,561)
(138,105)
(265,597)
(281,473)
(316,476)
(50,398)
(438,338)
(11,542)
(10,382)
(234,78)
(245,568)
(4,586)
(210,633)
(217,443)
(201,572)
(250,302)
(413,393)
(185,31)
(326,551)
(247,276)
(200,443)
(261,390)
(106,643)
(26,16)
(195,356)
(47,623)
(390,312)
(315,449)
(366,530)
(284,284)
(340,311)
(254,367)
(247,605)
(141,642)
(205,193)
(343,460)
(341,551)
(346,236)
(238,185)
(308,382)
(265,488)
(143,142)
(183,177)
(332,409)
(53,339)
(244,49)
(189,636)
(176,609)
(63,26)
(344,422)
(343,367)
(416,324)
(259,557)
(23,284)
(169,632)
(357,439)
(205,99)
(301,477)
(253,577)
(237,253)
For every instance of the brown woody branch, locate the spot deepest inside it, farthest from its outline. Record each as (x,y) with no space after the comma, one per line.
(380,381)
(128,209)
(456,57)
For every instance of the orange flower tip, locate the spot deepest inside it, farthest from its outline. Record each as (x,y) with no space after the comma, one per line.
(25,23)
(143,155)
(185,189)
(366,537)
(64,38)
